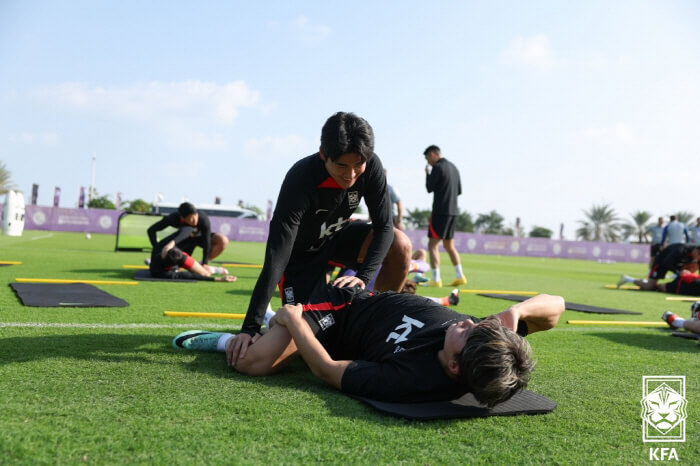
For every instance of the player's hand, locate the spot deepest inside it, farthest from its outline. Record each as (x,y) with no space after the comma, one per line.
(236,348)
(288,313)
(229,278)
(348,280)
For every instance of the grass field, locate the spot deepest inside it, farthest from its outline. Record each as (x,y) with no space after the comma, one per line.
(104,385)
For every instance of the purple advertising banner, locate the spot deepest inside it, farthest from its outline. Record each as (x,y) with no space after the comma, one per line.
(105,221)
(80,220)
(539,247)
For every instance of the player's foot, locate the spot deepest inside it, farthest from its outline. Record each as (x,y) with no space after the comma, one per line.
(459,282)
(147,261)
(669,317)
(420,278)
(198,340)
(453,298)
(624,279)
(436,284)
(694,310)
(419,266)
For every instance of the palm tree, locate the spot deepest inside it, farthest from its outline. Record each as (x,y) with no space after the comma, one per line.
(601,224)
(638,225)
(685,217)
(5,182)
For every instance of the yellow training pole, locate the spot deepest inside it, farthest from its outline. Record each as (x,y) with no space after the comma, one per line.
(623,287)
(682,298)
(60,280)
(206,315)
(10,262)
(527,293)
(621,323)
(143,267)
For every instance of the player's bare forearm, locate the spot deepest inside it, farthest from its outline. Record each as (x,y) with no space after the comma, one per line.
(540,312)
(313,353)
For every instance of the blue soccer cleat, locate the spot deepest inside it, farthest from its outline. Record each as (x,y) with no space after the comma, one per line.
(197,340)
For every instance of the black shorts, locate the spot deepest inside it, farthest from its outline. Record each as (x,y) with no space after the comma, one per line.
(188,244)
(304,273)
(442,226)
(655,249)
(685,285)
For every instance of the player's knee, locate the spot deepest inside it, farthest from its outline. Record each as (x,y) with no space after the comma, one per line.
(401,247)
(220,240)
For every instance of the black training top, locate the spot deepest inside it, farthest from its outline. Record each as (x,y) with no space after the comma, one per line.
(202,231)
(311,208)
(672,258)
(444,181)
(392,340)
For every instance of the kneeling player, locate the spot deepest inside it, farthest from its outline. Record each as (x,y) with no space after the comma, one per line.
(167,259)
(395,347)
(674,258)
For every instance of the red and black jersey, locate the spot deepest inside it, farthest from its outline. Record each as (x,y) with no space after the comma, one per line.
(201,232)
(443,180)
(310,209)
(391,338)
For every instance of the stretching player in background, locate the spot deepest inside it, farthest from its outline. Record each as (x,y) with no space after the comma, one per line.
(674,258)
(395,347)
(193,229)
(167,260)
(311,226)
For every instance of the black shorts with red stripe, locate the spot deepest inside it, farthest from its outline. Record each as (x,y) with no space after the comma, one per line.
(442,226)
(301,277)
(686,284)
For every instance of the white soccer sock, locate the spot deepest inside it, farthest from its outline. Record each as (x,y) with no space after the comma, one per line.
(677,322)
(219,270)
(223,339)
(458,271)
(436,275)
(269,314)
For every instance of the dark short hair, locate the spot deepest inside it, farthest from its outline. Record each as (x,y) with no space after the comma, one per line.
(495,363)
(673,217)
(174,256)
(186,209)
(432,148)
(344,133)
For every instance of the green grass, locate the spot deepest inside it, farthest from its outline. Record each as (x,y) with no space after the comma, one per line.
(108,393)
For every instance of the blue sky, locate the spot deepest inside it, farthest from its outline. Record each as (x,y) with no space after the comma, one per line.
(546,107)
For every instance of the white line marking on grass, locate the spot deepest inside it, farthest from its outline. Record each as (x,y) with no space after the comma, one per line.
(50,235)
(115,326)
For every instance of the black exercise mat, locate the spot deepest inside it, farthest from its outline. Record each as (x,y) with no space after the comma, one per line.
(524,402)
(145,275)
(65,295)
(569,306)
(689,335)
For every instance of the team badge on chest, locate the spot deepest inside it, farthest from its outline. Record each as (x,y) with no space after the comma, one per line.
(353,199)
